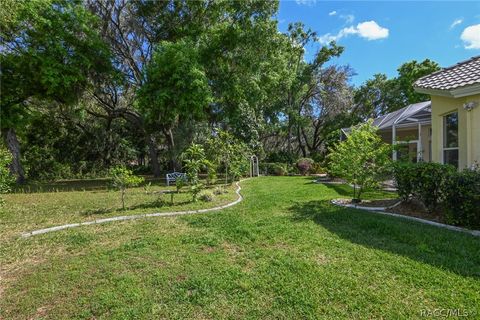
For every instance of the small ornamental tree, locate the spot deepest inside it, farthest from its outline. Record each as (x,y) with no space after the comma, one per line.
(194,160)
(224,149)
(6,179)
(123,178)
(363,159)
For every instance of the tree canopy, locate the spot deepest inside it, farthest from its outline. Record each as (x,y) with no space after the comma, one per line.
(90,85)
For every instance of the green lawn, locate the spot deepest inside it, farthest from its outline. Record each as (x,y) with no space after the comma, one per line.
(284,252)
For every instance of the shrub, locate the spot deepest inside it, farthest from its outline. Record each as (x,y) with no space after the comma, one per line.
(404,174)
(219,190)
(317,169)
(462,198)
(304,165)
(6,180)
(206,196)
(123,178)
(279,169)
(180,183)
(211,172)
(292,169)
(275,168)
(428,181)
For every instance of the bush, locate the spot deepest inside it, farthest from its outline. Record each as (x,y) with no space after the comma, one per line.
(6,179)
(317,169)
(275,168)
(304,165)
(404,174)
(280,169)
(281,156)
(219,190)
(428,182)
(206,196)
(424,180)
(462,198)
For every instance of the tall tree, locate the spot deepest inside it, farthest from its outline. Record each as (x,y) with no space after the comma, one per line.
(51,51)
(377,96)
(313,94)
(381,95)
(410,72)
(175,89)
(233,41)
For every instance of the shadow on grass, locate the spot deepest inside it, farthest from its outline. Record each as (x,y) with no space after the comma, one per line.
(457,252)
(345,190)
(342,189)
(147,205)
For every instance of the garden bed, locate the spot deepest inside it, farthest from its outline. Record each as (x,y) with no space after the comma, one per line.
(411,208)
(415,208)
(382,203)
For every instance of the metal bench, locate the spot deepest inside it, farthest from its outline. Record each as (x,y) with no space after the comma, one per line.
(172,177)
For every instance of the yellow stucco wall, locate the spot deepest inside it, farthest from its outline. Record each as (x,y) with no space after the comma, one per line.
(468,128)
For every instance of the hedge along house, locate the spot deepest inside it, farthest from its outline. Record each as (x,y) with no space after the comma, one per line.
(455,118)
(410,127)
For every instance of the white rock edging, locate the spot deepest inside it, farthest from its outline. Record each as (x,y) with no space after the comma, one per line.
(380,210)
(137,216)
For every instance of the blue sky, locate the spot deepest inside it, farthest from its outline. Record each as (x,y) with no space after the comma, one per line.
(379,36)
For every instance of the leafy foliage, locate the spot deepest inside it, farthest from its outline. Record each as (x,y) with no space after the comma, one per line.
(6,180)
(225,150)
(194,160)
(305,165)
(461,192)
(176,85)
(123,178)
(381,95)
(363,159)
(423,180)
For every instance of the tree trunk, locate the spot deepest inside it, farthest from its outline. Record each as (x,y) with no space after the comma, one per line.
(152,148)
(173,163)
(123,199)
(11,141)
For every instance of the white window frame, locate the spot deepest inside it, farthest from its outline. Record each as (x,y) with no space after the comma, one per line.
(444,137)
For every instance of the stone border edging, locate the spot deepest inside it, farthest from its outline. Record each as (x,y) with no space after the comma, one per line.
(134,217)
(365,208)
(475,233)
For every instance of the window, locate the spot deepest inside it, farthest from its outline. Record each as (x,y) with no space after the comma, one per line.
(450,139)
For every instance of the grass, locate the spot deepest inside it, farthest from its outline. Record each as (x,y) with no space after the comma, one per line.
(30,211)
(284,252)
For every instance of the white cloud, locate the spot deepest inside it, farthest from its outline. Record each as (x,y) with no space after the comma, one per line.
(455,23)
(372,31)
(369,30)
(332,13)
(471,37)
(306,2)
(349,18)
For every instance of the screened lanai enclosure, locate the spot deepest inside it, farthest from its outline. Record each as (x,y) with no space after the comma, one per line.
(410,127)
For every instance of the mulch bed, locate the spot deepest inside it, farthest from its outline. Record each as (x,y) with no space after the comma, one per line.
(372,203)
(415,208)
(412,208)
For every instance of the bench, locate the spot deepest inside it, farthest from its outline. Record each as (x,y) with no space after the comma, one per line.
(172,177)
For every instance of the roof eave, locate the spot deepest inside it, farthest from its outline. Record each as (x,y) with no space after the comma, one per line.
(452,93)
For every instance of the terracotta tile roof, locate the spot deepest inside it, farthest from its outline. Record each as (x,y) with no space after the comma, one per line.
(462,74)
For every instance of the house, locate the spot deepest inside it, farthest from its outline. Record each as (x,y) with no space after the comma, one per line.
(410,127)
(455,113)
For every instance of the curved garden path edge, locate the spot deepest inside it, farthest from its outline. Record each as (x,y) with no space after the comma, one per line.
(137,216)
(475,233)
